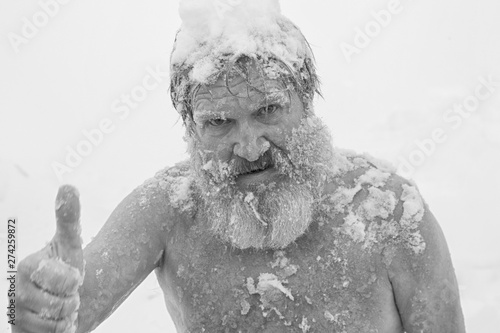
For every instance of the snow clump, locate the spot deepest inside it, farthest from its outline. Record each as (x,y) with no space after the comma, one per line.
(212,28)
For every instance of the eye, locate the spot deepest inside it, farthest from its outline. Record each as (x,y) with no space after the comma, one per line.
(268,110)
(217,122)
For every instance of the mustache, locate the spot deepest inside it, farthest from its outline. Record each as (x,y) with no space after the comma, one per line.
(226,172)
(271,158)
(241,166)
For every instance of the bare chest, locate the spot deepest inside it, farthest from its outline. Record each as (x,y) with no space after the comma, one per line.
(321,283)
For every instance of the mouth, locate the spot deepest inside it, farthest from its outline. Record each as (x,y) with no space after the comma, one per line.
(256,177)
(261,172)
(256,167)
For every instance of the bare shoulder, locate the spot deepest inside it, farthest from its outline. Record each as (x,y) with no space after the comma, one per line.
(386,215)
(377,207)
(158,201)
(172,186)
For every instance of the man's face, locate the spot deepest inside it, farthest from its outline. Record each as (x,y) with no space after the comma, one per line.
(238,123)
(258,158)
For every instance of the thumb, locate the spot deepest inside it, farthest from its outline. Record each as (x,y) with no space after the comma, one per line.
(67,243)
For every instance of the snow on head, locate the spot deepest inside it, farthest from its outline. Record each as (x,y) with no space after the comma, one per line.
(203,20)
(211,28)
(216,33)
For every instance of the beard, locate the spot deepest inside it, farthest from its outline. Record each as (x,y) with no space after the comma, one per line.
(267,220)
(271,215)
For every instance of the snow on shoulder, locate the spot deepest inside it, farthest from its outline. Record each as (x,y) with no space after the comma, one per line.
(172,183)
(376,206)
(245,27)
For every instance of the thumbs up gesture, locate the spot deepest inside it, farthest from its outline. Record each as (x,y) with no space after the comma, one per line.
(47,299)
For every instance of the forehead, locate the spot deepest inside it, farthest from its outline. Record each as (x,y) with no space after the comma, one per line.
(251,88)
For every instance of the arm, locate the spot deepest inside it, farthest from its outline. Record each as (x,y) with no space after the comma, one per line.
(421,272)
(124,252)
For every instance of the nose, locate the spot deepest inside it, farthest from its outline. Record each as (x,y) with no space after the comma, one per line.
(250,143)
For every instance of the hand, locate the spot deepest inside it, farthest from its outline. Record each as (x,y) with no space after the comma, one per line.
(48,280)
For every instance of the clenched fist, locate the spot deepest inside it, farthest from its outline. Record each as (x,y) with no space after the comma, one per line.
(48,280)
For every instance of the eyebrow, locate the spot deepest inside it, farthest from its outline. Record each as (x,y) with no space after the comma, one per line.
(277,95)
(203,115)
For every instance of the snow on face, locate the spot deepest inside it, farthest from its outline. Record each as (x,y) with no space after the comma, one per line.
(241,126)
(273,212)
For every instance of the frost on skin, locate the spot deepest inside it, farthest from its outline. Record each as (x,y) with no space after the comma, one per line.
(69,278)
(270,287)
(268,281)
(378,204)
(343,196)
(176,182)
(179,191)
(354,227)
(374,177)
(413,212)
(271,291)
(245,307)
(413,207)
(367,206)
(337,318)
(304,326)
(367,161)
(404,230)
(286,269)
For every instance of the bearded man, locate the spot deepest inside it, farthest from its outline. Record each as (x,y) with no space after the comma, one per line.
(267,228)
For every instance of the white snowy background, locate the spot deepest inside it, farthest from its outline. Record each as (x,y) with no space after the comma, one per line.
(66,78)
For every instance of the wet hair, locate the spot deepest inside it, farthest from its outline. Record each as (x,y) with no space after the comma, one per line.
(299,77)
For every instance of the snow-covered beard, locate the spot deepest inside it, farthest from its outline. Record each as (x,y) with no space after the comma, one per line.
(268,216)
